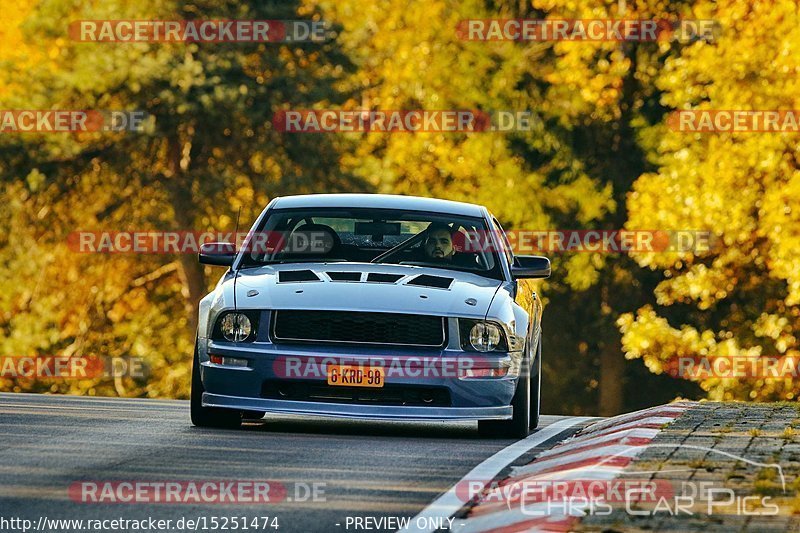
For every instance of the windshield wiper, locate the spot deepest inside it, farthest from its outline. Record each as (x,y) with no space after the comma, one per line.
(396,248)
(290,261)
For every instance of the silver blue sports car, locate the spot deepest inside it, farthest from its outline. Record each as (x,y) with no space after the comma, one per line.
(371,306)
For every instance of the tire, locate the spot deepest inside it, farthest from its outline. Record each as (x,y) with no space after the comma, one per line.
(517,427)
(210,417)
(536,386)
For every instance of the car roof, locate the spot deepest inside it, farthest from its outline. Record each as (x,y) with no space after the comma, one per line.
(379,201)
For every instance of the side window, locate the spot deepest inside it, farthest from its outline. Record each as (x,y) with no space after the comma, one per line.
(503,241)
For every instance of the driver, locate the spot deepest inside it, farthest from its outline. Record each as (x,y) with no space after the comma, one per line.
(439,243)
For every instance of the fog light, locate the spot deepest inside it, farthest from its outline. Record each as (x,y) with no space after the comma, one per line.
(484,337)
(484,372)
(228,361)
(232,361)
(235,327)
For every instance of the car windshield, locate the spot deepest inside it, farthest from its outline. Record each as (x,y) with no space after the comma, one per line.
(373,235)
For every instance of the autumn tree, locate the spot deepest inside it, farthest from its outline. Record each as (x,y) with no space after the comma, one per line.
(208,151)
(741,297)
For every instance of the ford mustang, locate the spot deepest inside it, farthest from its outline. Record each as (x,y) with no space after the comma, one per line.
(375,307)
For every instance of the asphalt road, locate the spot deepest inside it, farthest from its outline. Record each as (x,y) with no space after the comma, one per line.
(359,468)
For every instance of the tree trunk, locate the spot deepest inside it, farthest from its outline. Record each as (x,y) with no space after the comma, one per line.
(625,165)
(612,371)
(194,284)
(190,270)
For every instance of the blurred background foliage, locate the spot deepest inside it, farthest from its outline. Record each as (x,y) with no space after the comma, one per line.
(599,156)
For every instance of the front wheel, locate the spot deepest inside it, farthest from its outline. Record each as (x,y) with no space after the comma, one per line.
(518,425)
(212,417)
(536,386)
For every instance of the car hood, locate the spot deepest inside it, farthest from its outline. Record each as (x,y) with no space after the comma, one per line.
(278,287)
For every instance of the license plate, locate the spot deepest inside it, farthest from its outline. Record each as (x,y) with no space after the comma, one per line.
(356,376)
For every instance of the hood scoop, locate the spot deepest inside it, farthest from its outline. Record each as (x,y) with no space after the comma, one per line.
(305,275)
(372,277)
(434,282)
(291,276)
(378,277)
(344,276)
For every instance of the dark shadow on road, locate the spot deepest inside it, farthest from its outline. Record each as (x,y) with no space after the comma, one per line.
(463,430)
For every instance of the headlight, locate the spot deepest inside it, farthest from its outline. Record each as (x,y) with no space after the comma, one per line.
(236,327)
(481,336)
(484,337)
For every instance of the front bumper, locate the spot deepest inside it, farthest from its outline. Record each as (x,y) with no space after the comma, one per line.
(243,387)
(371,412)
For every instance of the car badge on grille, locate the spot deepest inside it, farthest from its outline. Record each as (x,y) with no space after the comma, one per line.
(252,292)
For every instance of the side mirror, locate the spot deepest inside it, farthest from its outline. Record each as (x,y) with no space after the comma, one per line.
(530,266)
(217,253)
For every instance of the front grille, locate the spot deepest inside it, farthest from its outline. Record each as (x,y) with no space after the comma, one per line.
(358,327)
(307,391)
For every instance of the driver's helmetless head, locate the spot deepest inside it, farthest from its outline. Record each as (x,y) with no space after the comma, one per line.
(439,244)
